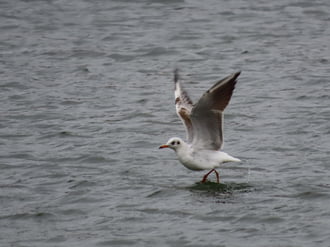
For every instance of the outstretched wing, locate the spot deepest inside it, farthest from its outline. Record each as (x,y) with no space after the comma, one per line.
(183,105)
(207,115)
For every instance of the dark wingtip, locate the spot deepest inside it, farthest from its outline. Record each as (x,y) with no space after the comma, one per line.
(176,75)
(236,74)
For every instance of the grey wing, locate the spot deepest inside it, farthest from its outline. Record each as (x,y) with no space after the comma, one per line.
(207,114)
(183,105)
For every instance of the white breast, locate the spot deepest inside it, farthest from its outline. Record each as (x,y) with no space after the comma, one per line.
(203,159)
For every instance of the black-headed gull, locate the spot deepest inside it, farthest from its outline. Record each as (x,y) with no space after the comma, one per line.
(203,122)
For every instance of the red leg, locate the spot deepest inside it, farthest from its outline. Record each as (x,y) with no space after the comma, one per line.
(206,175)
(218,177)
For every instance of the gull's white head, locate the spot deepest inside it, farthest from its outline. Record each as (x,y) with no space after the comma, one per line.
(173,143)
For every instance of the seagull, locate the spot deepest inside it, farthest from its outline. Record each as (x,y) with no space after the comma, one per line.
(203,123)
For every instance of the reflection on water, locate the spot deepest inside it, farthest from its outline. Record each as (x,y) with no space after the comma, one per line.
(226,188)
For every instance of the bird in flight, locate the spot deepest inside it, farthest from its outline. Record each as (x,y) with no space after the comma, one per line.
(204,126)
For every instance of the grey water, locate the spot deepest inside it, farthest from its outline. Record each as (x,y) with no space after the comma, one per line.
(86,97)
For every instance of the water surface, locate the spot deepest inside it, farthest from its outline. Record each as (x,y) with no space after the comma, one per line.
(86,99)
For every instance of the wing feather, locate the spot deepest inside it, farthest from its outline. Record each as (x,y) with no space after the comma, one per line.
(183,105)
(207,115)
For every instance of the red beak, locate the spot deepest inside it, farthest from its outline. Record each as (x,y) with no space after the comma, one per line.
(164,146)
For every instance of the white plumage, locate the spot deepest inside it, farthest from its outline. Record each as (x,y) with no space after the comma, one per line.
(203,123)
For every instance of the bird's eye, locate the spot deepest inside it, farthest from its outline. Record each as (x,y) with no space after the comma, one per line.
(178,142)
(173,143)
